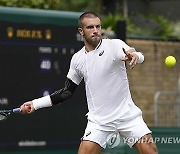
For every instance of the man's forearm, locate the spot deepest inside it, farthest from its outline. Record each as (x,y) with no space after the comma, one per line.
(56,97)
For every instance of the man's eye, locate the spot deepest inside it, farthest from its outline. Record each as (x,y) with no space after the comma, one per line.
(90,27)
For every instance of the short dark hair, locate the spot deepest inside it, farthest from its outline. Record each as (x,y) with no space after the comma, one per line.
(88,14)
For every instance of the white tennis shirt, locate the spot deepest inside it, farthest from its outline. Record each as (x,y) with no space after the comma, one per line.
(105,77)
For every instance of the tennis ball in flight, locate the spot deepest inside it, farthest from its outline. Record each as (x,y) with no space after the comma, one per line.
(170,61)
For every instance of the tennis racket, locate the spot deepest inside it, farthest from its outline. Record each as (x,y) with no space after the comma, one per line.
(5,113)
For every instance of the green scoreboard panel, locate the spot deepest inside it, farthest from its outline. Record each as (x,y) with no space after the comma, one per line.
(34,61)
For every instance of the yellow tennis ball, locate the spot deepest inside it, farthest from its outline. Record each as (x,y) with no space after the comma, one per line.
(170,61)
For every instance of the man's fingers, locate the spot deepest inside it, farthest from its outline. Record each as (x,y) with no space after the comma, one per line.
(132,63)
(124,58)
(133,60)
(128,55)
(26,108)
(124,51)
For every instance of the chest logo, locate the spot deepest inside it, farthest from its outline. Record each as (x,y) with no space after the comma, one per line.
(88,133)
(101,53)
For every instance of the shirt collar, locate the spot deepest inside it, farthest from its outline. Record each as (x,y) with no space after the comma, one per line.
(97,47)
(99,44)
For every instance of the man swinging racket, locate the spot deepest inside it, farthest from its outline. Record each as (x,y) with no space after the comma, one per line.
(101,64)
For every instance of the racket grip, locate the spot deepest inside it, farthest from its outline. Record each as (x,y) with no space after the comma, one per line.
(16,110)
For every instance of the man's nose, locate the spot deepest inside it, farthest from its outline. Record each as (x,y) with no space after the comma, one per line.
(95,30)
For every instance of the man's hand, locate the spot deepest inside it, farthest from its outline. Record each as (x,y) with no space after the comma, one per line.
(27,108)
(130,56)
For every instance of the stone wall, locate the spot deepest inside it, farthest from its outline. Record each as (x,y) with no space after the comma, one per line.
(153,75)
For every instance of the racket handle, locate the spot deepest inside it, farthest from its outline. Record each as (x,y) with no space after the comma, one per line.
(16,110)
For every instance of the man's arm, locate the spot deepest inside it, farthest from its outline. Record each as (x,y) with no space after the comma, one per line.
(133,56)
(53,99)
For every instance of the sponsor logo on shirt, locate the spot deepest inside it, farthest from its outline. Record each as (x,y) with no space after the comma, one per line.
(88,133)
(101,53)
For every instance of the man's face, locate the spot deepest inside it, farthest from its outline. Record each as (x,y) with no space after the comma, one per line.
(91,30)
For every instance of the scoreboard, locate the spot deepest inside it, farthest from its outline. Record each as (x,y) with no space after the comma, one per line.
(34,61)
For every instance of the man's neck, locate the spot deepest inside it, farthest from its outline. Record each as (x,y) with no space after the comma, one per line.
(90,47)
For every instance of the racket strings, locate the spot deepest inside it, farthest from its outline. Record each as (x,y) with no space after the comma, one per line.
(3,115)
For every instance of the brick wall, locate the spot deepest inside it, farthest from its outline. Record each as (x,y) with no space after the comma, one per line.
(151,76)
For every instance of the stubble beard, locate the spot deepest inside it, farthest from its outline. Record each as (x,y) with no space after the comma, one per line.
(93,41)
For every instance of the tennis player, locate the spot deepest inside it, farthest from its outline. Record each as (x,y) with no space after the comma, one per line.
(101,64)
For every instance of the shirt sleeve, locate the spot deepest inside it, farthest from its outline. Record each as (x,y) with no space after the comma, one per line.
(122,45)
(120,53)
(73,73)
(117,49)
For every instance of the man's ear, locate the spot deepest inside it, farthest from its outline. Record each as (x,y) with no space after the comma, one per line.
(80,31)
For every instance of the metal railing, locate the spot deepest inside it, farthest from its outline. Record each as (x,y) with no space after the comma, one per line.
(166,110)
